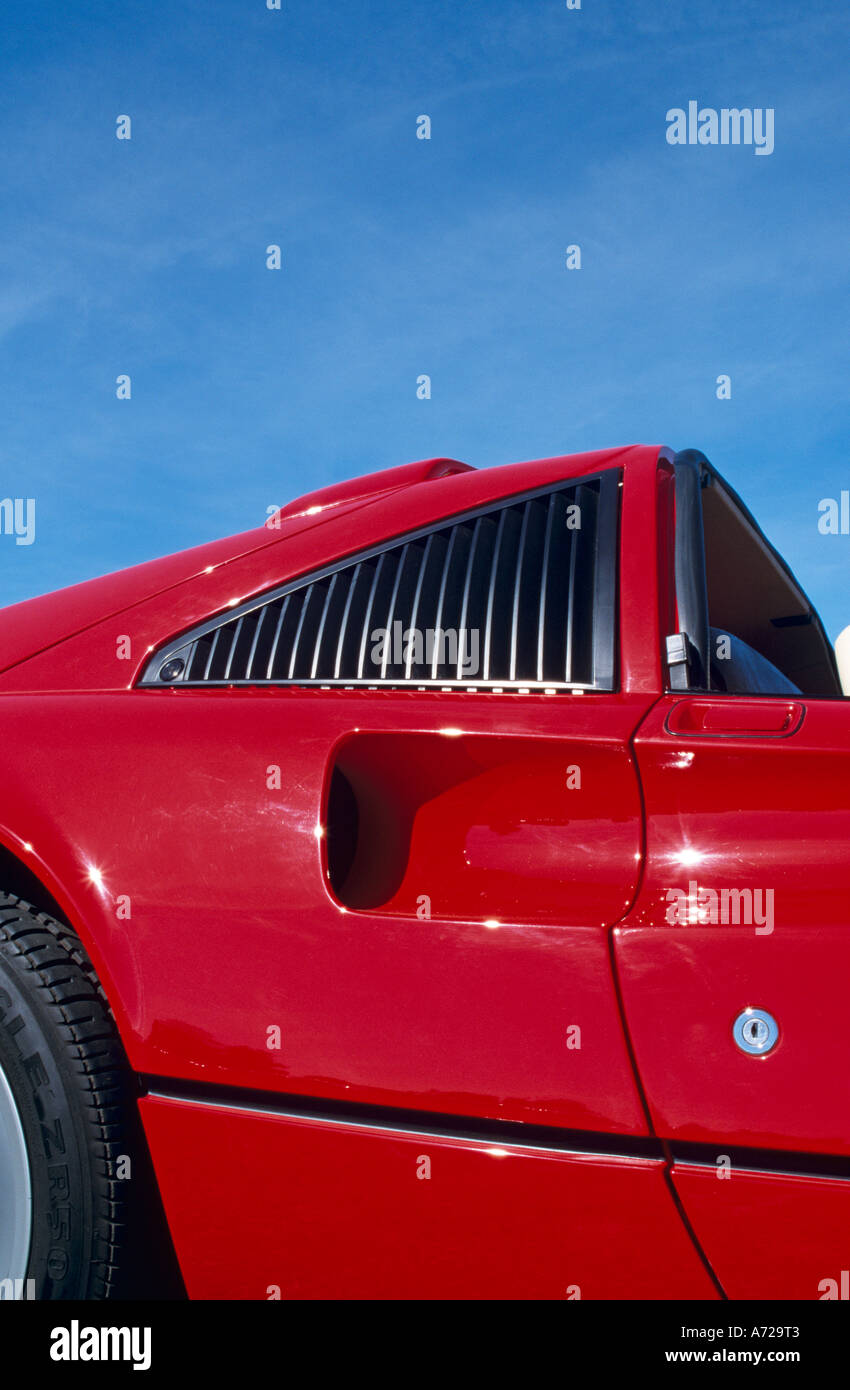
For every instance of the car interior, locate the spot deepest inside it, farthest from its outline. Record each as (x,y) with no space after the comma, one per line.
(765,638)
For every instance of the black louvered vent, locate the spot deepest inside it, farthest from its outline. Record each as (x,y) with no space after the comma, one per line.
(519,595)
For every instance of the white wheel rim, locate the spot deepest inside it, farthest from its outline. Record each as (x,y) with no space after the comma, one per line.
(15,1196)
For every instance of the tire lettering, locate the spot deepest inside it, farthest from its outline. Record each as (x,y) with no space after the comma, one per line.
(35,1070)
(59,1221)
(57,1264)
(60,1186)
(52,1137)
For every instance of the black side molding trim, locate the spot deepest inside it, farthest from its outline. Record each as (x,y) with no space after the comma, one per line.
(498,1132)
(779,1162)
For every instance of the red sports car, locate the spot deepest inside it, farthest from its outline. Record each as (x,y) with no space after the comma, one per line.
(440,891)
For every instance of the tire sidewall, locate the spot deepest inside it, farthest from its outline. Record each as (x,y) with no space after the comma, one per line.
(38,1069)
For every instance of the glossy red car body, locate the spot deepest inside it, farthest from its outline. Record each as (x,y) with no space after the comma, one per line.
(532,1092)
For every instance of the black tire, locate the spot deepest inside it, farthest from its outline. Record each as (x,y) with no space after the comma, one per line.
(68,1077)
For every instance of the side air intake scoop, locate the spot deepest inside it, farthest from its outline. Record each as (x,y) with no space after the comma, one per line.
(369,485)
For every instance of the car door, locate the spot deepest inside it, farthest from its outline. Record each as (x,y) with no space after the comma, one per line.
(455,832)
(733,965)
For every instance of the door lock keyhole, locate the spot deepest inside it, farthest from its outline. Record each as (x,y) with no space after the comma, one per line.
(755,1031)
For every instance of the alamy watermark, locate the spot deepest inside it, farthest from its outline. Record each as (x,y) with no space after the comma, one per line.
(17,1289)
(17,518)
(84,1343)
(834,519)
(699,907)
(730,125)
(436,647)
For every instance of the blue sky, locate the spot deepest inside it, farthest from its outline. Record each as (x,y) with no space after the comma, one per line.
(404,256)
